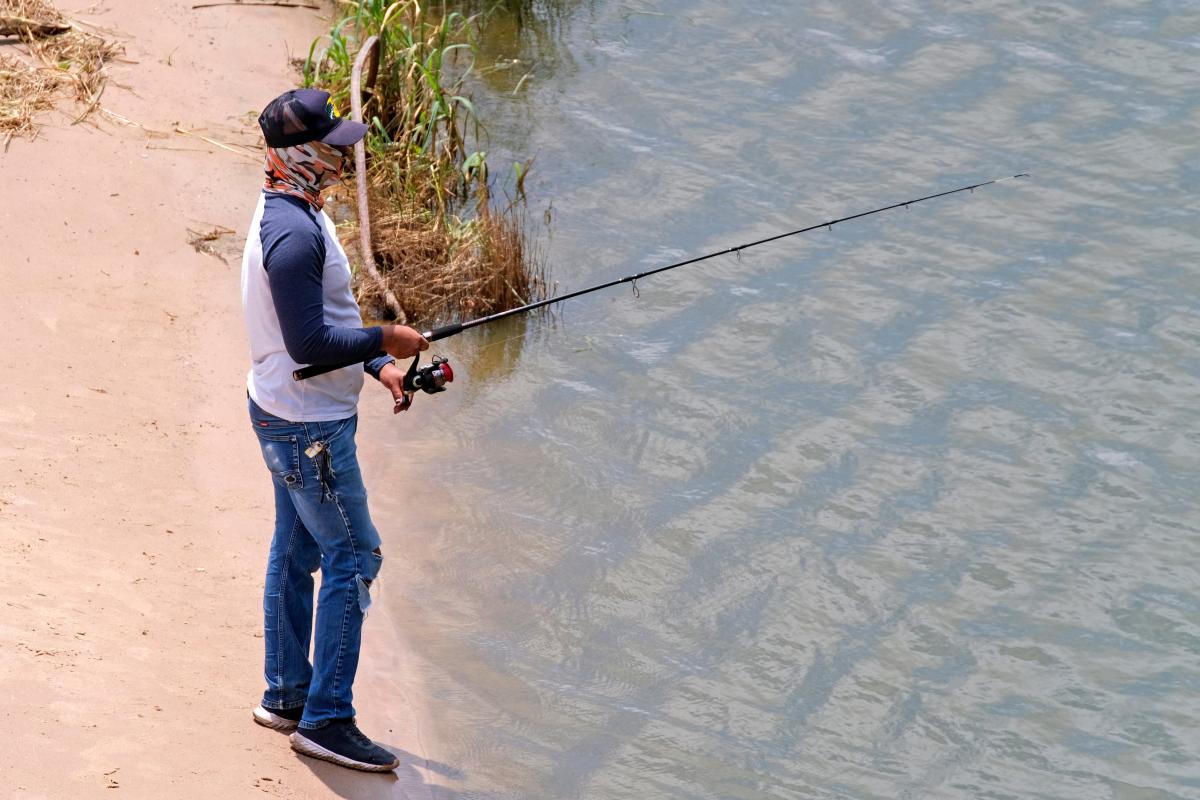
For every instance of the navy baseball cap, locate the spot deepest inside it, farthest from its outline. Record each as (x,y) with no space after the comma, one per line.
(306,115)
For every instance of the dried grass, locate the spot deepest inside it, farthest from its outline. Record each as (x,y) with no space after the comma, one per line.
(58,54)
(460,271)
(24,92)
(203,241)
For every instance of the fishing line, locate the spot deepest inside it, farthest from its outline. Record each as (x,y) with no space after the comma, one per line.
(456,328)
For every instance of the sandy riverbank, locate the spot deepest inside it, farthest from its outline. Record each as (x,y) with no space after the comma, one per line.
(134,510)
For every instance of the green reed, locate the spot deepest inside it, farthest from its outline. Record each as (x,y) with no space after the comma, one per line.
(418,114)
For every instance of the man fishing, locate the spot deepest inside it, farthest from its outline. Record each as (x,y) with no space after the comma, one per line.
(299,310)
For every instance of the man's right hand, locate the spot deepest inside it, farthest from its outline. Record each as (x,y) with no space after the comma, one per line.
(401,341)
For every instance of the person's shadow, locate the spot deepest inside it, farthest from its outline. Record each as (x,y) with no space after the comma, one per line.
(406,781)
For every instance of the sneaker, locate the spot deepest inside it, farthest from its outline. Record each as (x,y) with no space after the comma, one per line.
(278,719)
(342,743)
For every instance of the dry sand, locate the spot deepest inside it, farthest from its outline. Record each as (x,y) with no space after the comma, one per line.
(134,506)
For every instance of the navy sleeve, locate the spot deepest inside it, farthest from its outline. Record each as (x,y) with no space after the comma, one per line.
(294,258)
(374,365)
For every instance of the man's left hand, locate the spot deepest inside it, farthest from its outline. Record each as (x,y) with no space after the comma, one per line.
(392,378)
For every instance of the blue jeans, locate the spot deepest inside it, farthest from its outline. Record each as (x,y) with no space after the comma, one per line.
(321,520)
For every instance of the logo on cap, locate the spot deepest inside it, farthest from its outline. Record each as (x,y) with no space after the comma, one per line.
(331,110)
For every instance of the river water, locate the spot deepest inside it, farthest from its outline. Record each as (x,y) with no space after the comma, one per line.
(904,509)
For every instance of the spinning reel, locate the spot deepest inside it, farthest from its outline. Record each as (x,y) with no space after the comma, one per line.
(431,379)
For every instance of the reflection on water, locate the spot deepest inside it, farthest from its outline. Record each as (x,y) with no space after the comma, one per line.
(535,28)
(904,509)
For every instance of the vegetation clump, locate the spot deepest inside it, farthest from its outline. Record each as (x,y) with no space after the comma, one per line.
(57,54)
(439,245)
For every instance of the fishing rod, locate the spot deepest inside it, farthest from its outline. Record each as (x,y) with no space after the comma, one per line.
(433,377)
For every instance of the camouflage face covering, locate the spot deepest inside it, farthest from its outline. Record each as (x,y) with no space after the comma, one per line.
(303,170)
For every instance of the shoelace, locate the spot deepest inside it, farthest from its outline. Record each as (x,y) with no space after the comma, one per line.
(359,737)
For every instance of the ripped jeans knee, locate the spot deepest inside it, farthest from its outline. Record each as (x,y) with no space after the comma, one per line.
(366,578)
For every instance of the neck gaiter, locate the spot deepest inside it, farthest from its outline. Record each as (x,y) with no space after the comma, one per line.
(303,170)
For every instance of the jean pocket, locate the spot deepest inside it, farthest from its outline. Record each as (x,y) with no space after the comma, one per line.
(269,426)
(282,456)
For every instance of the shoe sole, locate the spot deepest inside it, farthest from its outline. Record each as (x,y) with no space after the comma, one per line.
(307,747)
(264,717)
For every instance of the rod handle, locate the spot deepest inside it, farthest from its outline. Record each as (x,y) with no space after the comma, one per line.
(320,369)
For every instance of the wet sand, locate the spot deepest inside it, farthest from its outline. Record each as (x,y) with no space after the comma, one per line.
(134,507)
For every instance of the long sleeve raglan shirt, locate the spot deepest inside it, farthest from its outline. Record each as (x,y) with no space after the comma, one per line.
(299,310)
